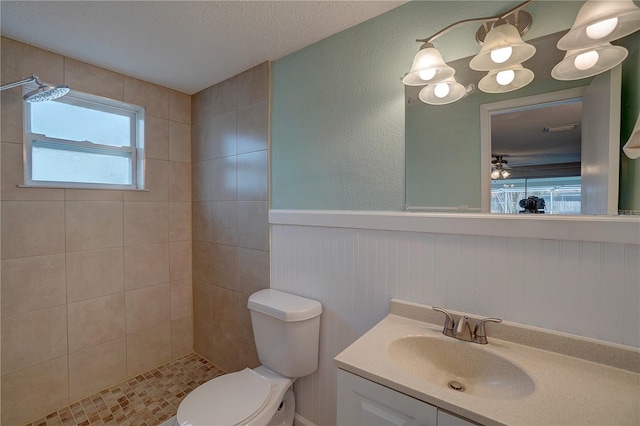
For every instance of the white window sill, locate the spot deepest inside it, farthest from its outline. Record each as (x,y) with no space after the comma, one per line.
(80,186)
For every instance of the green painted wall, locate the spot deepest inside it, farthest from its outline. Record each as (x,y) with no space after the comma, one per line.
(337,112)
(630,169)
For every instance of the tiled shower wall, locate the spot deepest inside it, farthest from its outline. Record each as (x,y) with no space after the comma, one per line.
(230,214)
(96,285)
(584,288)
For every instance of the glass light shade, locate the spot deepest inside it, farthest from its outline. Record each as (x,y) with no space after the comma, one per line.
(495,174)
(432,94)
(505,173)
(606,55)
(499,38)
(521,77)
(428,62)
(595,25)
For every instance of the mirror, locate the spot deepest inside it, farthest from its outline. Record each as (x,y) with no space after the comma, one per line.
(446,168)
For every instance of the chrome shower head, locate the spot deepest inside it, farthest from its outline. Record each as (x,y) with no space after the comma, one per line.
(46,92)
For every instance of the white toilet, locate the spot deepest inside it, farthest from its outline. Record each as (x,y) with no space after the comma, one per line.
(286,330)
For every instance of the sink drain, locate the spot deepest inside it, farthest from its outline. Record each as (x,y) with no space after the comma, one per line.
(456,386)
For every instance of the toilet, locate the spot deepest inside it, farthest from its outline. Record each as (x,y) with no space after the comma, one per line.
(286,329)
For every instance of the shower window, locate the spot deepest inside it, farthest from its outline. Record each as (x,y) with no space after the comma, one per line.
(84,141)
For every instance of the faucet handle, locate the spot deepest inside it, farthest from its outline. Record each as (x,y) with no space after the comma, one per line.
(448,322)
(480,334)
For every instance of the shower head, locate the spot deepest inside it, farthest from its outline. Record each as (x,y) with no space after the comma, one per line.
(46,92)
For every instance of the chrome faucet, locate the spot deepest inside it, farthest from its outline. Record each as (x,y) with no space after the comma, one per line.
(462,330)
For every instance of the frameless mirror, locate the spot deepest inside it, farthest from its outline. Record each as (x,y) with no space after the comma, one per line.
(450,148)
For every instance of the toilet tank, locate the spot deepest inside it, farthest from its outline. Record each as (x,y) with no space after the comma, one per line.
(286,328)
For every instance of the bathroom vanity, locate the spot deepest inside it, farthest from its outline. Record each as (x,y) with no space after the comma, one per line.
(405,371)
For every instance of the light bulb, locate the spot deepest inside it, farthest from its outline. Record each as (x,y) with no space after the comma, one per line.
(441,90)
(495,174)
(602,29)
(586,60)
(505,77)
(505,174)
(427,74)
(501,55)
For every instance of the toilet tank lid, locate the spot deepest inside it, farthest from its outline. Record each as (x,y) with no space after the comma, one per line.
(284,306)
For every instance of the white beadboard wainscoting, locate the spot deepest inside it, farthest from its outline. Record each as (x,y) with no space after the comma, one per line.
(579,276)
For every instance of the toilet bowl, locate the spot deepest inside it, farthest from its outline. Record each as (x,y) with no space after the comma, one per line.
(256,397)
(286,331)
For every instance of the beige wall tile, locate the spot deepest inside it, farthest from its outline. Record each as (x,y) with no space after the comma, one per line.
(223,135)
(203,339)
(201,105)
(146,223)
(201,149)
(20,60)
(223,97)
(202,302)
(156,138)
(94,273)
(93,369)
(253,85)
(201,181)
(179,181)
(91,79)
(225,309)
(148,307)
(201,221)
(13,175)
(31,228)
(11,115)
(253,127)
(35,391)
(248,354)
(93,224)
(146,265)
(252,176)
(253,270)
(156,182)
(224,222)
(179,142)
(225,350)
(154,98)
(225,266)
(253,225)
(202,261)
(179,221)
(92,195)
(244,319)
(179,107)
(30,283)
(33,337)
(96,321)
(181,299)
(148,349)
(180,260)
(223,178)
(181,337)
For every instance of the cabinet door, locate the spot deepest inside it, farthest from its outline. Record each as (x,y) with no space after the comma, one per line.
(362,402)
(448,419)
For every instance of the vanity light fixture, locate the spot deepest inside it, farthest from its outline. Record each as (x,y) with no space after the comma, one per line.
(502,53)
(444,92)
(587,44)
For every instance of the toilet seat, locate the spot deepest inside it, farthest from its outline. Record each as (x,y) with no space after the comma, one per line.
(233,399)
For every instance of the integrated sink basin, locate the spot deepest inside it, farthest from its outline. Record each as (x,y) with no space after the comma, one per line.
(461,367)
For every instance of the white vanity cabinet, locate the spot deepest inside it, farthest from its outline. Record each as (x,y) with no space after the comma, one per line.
(362,402)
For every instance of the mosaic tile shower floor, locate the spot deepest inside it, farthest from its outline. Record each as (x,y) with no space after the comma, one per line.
(144,400)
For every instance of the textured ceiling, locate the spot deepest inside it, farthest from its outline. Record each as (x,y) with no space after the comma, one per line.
(183,45)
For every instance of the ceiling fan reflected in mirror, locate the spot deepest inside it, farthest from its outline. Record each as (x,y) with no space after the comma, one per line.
(499,168)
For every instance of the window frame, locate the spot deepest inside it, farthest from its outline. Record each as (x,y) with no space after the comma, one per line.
(135,150)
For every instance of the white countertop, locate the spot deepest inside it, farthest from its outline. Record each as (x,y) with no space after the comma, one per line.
(569,390)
